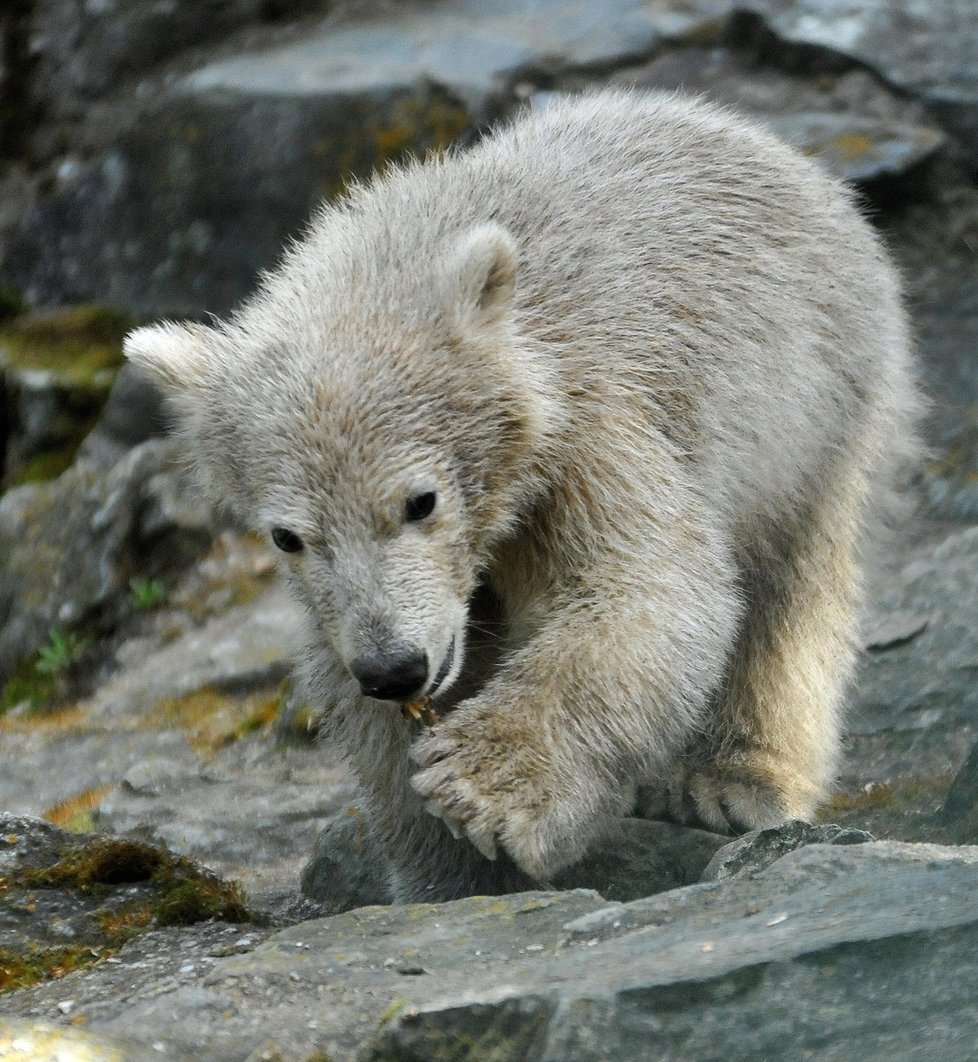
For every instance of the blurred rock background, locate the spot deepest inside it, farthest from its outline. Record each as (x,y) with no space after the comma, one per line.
(154,156)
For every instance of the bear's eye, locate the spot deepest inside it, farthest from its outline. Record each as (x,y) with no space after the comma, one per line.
(286,540)
(420,506)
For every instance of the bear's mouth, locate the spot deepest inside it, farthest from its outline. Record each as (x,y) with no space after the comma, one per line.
(446,666)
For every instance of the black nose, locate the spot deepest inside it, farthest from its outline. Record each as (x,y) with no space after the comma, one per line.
(394,675)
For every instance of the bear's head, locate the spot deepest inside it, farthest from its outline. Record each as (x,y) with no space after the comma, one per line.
(386,425)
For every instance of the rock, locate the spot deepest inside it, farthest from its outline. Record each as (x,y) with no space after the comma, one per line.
(252,813)
(70,899)
(82,51)
(910,720)
(56,371)
(915,682)
(348,869)
(927,50)
(139,519)
(276,129)
(30,843)
(757,850)
(861,131)
(132,414)
(244,648)
(881,936)
(143,226)
(959,813)
(951,478)
(935,240)
(642,858)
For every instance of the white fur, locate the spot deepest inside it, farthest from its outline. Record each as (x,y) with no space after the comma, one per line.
(650,359)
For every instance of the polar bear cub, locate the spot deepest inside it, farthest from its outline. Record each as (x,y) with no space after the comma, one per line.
(569,436)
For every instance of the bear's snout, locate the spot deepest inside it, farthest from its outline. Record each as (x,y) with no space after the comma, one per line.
(395,674)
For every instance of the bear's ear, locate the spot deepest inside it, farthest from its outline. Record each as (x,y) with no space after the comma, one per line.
(483,268)
(173,354)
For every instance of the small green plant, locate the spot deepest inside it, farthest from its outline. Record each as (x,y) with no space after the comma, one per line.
(146,593)
(63,650)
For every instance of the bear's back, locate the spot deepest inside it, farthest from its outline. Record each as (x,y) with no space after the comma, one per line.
(673,257)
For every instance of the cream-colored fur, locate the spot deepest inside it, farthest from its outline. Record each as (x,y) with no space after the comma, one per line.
(649,361)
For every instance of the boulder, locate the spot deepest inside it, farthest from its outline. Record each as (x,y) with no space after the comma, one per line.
(56,371)
(69,547)
(859,129)
(928,51)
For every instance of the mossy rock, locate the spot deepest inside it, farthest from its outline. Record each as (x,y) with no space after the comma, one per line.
(58,367)
(118,888)
(78,345)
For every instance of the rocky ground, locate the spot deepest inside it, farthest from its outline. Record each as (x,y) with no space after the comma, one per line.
(145,643)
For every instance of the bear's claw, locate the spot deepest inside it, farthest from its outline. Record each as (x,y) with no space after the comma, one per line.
(456,785)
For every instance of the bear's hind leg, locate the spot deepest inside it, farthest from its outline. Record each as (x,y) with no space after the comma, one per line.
(773,742)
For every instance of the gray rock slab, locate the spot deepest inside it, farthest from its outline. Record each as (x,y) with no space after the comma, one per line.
(252,813)
(471,47)
(81,51)
(927,677)
(861,131)
(836,952)
(911,718)
(936,244)
(203,186)
(927,48)
(959,812)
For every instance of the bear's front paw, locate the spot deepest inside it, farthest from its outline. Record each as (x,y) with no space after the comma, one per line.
(497,789)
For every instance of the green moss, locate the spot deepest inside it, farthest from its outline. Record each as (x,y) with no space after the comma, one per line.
(102,862)
(184,893)
(198,899)
(391,1011)
(22,969)
(27,686)
(44,466)
(155,886)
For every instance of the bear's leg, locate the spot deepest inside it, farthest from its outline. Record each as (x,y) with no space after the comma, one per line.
(772,747)
(427,863)
(608,690)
